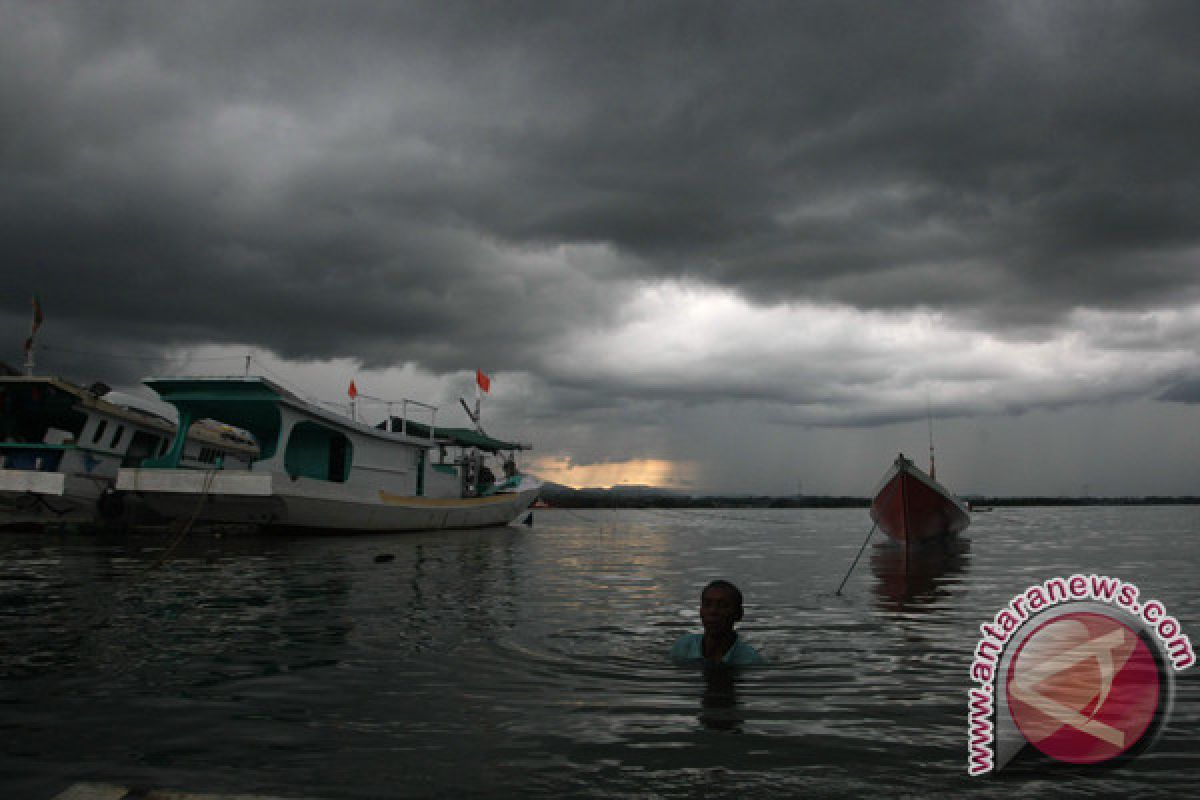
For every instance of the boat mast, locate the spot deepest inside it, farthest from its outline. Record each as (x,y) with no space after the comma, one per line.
(33,329)
(478,399)
(929,416)
(473,415)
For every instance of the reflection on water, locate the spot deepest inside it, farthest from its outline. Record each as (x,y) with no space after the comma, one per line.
(104,604)
(535,660)
(916,578)
(719,706)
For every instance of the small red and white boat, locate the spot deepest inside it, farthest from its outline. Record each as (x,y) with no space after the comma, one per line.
(912,507)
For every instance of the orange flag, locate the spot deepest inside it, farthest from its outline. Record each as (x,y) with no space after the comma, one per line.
(353,390)
(484,381)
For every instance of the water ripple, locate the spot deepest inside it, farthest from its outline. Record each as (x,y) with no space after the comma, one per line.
(505,660)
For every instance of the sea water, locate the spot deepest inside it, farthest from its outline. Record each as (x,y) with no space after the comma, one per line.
(532,661)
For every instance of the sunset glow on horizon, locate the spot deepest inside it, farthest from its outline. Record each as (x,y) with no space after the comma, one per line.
(657,472)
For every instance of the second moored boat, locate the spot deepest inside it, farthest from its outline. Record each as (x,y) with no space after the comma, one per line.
(61,446)
(913,508)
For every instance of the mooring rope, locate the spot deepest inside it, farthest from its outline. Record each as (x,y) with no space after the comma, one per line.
(856,558)
(210,477)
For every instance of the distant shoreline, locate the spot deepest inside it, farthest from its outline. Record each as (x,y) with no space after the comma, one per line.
(563,497)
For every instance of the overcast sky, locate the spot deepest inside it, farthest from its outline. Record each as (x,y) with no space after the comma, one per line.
(731,246)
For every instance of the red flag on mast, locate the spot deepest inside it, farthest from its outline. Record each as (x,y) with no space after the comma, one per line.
(353,390)
(484,381)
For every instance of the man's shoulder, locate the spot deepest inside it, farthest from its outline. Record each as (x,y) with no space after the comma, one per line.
(743,653)
(690,645)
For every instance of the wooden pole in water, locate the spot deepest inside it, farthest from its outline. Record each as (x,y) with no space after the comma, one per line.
(856,558)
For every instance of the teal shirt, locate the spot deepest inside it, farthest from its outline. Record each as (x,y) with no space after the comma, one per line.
(690,649)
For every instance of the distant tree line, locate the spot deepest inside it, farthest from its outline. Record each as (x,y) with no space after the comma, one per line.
(565,497)
(1150,500)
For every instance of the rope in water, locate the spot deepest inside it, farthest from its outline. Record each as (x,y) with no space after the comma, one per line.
(210,477)
(856,558)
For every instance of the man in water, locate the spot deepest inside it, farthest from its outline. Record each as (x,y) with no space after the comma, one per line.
(720,610)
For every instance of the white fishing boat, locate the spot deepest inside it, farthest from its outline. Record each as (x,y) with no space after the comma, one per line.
(61,447)
(321,470)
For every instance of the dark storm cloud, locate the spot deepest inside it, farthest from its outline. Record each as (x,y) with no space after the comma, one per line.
(455,184)
(1185,391)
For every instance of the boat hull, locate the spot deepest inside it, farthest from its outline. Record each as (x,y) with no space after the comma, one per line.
(29,497)
(277,501)
(913,508)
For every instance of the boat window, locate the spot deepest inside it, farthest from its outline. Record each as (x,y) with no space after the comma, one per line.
(117,436)
(204,455)
(315,451)
(99,430)
(141,446)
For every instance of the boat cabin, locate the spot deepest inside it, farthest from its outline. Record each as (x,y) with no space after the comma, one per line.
(304,441)
(461,462)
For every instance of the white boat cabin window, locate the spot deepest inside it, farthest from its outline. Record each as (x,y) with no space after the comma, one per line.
(100,426)
(315,451)
(116,436)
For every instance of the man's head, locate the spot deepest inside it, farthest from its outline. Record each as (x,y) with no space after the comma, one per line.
(720,607)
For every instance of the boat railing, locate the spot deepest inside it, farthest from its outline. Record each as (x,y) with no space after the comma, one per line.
(404,405)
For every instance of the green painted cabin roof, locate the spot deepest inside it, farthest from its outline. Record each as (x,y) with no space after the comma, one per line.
(468,437)
(244,403)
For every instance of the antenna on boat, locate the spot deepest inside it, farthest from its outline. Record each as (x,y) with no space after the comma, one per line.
(474,415)
(929,417)
(33,329)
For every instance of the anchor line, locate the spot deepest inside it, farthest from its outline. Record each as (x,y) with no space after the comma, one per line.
(210,477)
